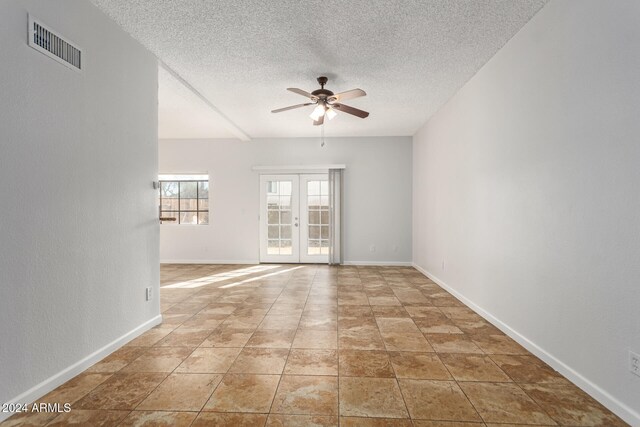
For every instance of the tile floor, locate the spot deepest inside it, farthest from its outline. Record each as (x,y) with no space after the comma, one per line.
(307,345)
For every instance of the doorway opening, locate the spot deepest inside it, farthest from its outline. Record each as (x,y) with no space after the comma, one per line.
(294,218)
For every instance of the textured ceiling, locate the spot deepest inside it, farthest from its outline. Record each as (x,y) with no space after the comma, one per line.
(182,114)
(410,56)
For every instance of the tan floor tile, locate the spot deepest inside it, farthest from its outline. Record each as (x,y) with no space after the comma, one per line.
(357,323)
(117,360)
(228,337)
(121,391)
(477,327)
(29,419)
(310,338)
(208,419)
(419,366)
(158,359)
(151,337)
(319,323)
(387,311)
(158,419)
(391,324)
(473,367)
(437,400)
(277,420)
(191,338)
(242,322)
(74,389)
(202,321)
(272,321)
(405,341)
(182,392)
(360,340)
(272,338)
(371,397)
(312,362)
(354,311)
(452,343)
(462,313)
(89,417)
(384,301)
(498,344)
(374,422)
(427,423)
(225,309)
(174,320)
(306,395)
(569,405)
(527,369)
(423,311)
(439,326)
(260,361)
(207,360)
(243,393)
(504,403)
(361,363)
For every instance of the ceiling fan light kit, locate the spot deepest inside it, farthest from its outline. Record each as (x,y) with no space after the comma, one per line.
(327,103)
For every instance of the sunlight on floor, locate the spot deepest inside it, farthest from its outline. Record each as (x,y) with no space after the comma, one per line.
(220,277)
(253,279)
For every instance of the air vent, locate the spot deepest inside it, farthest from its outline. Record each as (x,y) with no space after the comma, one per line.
(46,41)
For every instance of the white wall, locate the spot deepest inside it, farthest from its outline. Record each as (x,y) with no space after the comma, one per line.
(78,216)
(526,188)
(377,208)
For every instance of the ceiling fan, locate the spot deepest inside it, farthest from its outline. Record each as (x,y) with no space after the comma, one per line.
(327,102)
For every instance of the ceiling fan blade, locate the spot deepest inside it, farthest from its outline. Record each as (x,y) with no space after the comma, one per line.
(302,92)
(279,110)
(350,110)
(350,94)
(319,121)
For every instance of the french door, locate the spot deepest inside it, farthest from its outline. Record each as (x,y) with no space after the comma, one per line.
(294,218)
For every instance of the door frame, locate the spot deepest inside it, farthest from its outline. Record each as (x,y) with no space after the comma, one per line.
(304,220)
(263,216)
(299,219)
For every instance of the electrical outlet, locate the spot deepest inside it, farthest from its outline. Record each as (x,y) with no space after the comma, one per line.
(634,363)
(149,294)
(372,248)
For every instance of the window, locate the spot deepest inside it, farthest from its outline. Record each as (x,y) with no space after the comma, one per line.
(185,198)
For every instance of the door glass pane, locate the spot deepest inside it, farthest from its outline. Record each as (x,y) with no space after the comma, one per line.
(314,232)
(318,219)
(273,232)
(314,217)
(285,188)
(285,247)
(273,247)
(285,232)
(279,224)
(273,217)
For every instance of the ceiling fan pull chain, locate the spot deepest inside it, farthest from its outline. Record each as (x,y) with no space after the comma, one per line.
(322,135)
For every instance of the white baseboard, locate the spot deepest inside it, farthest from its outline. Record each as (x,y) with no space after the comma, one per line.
(209,261)
(623,411)
(380,263)
(66,374)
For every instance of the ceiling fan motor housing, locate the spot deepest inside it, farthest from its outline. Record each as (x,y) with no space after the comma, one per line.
(322,92)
